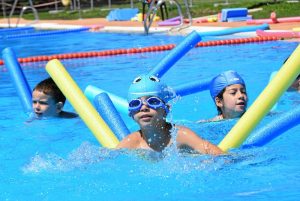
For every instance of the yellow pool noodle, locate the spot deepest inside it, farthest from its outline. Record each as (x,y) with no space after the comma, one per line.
(296,29)
(264,102)
(81,104)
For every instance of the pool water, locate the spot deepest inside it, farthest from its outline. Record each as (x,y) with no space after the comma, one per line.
(60,159)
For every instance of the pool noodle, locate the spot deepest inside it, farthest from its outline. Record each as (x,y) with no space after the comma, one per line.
(81,104)
(280,83)
(179,51)
(274,21)
(109,113)
(230,31)
(192,87)
(18,78)
(120,103)
(122,106)
(271,77)
(278,34)
(170,22)
(275,128)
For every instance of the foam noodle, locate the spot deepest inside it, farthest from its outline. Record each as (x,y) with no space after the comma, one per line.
(192,87)
(81,104)
(179,51)
(230,31)
(276,104)
(109,113)
(121,104)
(261,106)
(18,78)
(275,128)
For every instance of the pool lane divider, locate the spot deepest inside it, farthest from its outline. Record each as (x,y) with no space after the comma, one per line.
(81,104)
(177,53)
(18,78)
(16,29)
(46,33)
(264,102)
(140,50)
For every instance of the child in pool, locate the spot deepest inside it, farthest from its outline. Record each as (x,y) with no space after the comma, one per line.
(148,98)
(48,100)
(228,91)
(295,86)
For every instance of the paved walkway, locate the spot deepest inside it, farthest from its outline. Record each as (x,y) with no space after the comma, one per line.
(122,24)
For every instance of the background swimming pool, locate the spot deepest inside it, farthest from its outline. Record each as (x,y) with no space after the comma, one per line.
(61,160)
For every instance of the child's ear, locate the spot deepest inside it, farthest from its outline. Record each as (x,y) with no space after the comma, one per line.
(59,106)
(218,102)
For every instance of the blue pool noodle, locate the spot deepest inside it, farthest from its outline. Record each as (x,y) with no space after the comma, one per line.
(18,78)
(120,103)
(230,31)
(110,115)
(275,128)
(179,51)
(192,87)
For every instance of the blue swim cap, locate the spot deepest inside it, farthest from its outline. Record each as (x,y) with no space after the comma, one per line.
(223,80)
(145,85)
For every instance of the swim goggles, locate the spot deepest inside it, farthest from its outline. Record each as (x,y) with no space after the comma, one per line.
(152,102)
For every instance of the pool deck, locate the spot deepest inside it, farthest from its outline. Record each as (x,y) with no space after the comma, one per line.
(134,26)
(103,25)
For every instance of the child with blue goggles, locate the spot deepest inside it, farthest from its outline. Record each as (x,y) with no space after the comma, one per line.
(148,105)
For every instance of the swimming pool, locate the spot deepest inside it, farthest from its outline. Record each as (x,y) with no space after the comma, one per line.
(61,160)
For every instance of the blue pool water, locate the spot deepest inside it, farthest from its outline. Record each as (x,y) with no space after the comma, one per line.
(59,159)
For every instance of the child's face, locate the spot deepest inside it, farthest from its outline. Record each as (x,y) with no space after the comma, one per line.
(44,105)
(147,116)
(234,102)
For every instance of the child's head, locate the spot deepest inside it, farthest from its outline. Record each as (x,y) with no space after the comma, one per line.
(295,86)
(148,95)
(228,91)
(47,99)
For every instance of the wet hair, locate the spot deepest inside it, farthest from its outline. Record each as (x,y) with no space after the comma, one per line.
(220,96)
(49,87)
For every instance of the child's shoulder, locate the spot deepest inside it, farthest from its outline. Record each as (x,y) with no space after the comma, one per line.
(216,118)
(132,140)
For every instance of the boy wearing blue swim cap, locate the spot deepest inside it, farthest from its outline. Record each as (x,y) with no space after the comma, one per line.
(48,100)
(148,97)
(228,91)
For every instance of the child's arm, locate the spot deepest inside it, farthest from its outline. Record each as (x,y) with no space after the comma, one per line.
(187,137)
